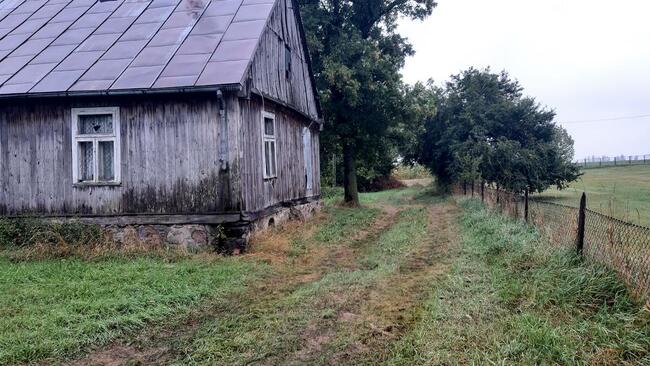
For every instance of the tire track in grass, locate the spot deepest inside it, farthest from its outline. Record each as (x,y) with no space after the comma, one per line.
(162,343)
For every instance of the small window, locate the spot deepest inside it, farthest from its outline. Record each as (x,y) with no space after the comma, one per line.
(269,145)
(96,149)
(287,61)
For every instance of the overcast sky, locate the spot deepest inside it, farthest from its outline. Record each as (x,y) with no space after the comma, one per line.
(584,59)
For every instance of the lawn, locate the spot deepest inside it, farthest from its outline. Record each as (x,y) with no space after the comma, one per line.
(622,192)
(511,300)
(57,308)
(410,278)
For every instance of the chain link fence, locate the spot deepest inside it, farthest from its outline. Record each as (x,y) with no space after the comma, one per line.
(619,245)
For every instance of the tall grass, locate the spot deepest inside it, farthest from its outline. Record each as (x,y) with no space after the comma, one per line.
(511,299)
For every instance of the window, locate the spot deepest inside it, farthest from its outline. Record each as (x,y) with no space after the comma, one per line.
(96,146)
(268,132)
(287,61)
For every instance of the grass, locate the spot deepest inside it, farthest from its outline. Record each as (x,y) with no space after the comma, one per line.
(389,283)
(345,222)
(57,308)
(303,323)
(620,191)
(509,301)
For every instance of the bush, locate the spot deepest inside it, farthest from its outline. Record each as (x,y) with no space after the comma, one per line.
(415,171)
(381,184)
(331,192)
(21,233)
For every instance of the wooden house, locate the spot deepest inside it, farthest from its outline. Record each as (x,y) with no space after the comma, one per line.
(159,119)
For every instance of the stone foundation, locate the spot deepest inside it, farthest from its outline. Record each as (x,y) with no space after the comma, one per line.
(229,238)
(186,237)
(284,214)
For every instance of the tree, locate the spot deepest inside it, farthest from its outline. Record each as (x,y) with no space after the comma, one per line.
(357,55)
(485,129)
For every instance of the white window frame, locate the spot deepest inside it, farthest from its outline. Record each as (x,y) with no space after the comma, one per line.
(269,138)
(96,139)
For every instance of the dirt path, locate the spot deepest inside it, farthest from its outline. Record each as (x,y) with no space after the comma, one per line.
(379,316)
(352,312)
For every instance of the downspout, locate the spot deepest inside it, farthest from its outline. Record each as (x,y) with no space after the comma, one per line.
(223,124)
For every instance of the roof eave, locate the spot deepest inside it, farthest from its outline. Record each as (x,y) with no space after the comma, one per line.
(90,93)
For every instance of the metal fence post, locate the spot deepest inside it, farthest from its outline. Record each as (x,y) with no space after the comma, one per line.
(580,240)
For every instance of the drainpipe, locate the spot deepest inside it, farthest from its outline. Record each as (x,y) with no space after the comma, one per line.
(223,133)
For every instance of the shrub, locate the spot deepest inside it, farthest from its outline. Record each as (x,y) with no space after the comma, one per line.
(415,171)
(22,233)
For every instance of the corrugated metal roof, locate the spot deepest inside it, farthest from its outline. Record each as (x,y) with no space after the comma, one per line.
(55,46)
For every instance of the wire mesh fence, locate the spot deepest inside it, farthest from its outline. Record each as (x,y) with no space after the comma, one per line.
(622,246)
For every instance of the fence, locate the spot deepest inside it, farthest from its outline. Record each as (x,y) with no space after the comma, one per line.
(619,245)
(622,160)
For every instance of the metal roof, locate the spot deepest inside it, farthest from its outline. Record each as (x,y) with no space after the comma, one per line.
(86,46)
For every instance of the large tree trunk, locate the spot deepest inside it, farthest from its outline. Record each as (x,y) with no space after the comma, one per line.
(350,175)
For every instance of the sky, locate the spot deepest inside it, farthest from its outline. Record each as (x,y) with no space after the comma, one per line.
(587,60)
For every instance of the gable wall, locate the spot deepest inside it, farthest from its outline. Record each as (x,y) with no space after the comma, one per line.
(267,72)
(291,182)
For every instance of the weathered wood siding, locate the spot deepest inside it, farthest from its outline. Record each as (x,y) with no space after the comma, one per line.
(170,150)
(291,182)
(268,69)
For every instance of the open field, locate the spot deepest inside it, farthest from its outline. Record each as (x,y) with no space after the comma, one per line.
(412,278)
(622,192)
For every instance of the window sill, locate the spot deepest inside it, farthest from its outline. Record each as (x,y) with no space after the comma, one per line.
(96,184)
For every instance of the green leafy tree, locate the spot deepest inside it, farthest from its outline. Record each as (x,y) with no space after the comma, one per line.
(485,129)
(357,56)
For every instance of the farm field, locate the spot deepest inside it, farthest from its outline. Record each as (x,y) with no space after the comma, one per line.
(411,278)
(622,192)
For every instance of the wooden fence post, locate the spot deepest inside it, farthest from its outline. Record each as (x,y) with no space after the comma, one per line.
(526,205)
(464,188)
(497,193)
(580,240)
(482,191)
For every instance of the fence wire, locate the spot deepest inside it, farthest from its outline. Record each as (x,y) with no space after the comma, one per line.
(621,246)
